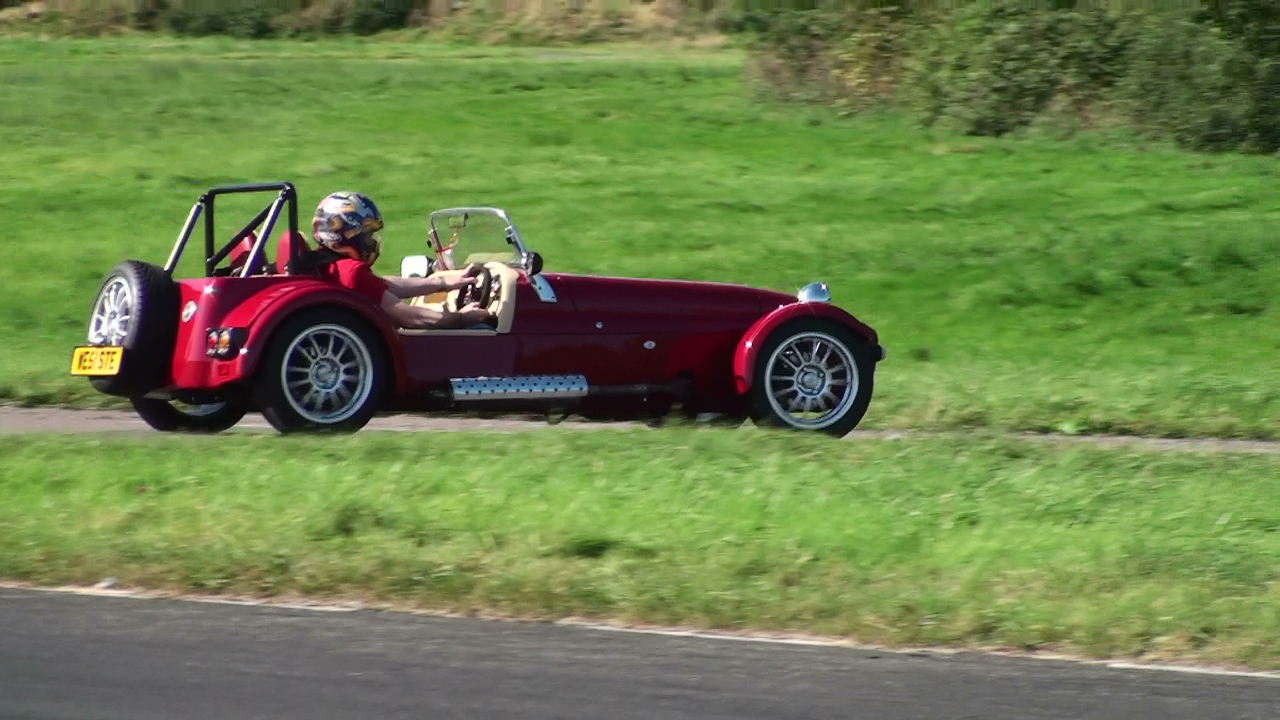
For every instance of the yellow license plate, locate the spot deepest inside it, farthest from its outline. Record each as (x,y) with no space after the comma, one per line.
(96,360)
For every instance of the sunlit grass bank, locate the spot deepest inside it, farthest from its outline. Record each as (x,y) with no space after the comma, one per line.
(1029,284)
(980,542)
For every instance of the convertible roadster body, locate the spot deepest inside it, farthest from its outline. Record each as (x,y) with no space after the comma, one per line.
(257,331)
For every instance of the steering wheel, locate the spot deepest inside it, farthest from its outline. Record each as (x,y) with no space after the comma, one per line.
(480,293)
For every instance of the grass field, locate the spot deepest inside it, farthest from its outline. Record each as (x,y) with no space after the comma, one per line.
(1032,284)
(983,542)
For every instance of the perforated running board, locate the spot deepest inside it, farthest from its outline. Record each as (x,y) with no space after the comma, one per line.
(519,387)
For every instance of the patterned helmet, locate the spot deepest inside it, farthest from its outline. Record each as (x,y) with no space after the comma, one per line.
(348,219)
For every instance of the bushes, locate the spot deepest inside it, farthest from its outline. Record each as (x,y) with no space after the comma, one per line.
(238,18)
(1211,82)
(264,18)
(870,58)
(365,17)
(1256,23)
(1188,84)
(1201,86)
(852,59)
(992,71)
(793,58)
(534,21)
(984,70)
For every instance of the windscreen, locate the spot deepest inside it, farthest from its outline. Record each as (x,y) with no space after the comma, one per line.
(473,237)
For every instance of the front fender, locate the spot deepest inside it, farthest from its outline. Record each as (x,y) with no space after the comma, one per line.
(267,316)
(744,356)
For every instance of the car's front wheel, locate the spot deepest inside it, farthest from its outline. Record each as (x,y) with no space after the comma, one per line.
(812,374)
(176,416)
(324,369)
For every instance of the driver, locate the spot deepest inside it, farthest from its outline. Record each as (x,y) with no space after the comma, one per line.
(346,227)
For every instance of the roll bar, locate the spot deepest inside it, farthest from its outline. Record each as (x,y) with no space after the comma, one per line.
(286,196)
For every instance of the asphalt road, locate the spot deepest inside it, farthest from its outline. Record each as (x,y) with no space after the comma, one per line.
(99,658)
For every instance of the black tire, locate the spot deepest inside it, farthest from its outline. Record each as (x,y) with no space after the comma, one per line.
(812,380)
(166,416)
(349,343)
(150,298)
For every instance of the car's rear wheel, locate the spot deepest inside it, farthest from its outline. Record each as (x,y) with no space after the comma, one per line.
(812,374)
(324,369)
(176,416)
(137,309)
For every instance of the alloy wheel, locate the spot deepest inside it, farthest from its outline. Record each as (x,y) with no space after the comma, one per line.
(812,380)
(327,373)
(112,313)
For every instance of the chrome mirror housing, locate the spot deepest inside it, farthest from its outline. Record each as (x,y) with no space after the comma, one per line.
(814,292)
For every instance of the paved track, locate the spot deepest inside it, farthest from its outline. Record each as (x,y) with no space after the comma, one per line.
(63,420)
(75,656)
(97,658)
(17,420)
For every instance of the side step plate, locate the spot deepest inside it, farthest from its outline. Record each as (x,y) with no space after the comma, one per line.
(519,387)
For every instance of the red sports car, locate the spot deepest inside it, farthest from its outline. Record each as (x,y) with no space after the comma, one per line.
(256,331)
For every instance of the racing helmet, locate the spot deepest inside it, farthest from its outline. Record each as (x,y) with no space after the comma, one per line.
(348,220)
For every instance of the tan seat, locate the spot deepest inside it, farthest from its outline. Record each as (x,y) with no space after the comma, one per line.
(506,309)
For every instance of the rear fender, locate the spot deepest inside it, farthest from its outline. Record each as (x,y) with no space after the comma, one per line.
(744,356)
(267,317)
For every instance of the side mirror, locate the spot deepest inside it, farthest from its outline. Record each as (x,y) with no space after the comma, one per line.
(534,263)
(417,266)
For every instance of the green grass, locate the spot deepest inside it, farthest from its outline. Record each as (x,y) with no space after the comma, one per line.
(982,542)
(1030,284)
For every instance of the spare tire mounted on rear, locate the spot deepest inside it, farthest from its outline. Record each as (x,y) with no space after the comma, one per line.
(137,309)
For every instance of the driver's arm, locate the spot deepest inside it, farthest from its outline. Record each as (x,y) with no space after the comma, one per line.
(407,287)
(422,318)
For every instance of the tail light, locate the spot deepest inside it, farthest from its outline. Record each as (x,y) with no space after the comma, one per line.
(224,343)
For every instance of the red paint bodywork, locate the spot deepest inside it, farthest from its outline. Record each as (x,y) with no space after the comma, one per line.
(258,304)
(615,331)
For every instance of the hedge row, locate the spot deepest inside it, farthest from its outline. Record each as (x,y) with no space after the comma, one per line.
(1206,76)
(1209,80)
(240,18)
(498,20)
